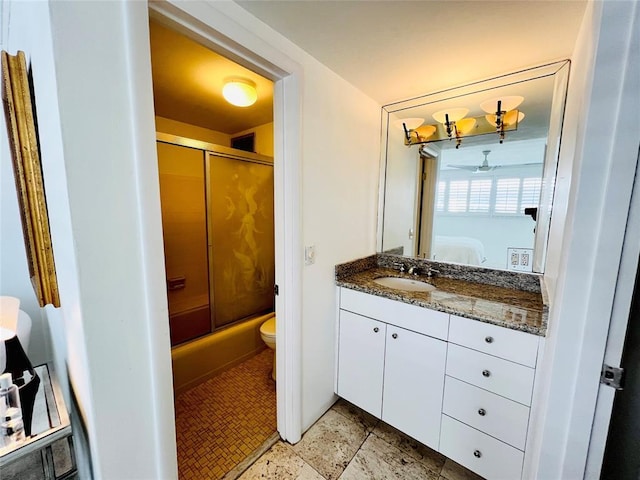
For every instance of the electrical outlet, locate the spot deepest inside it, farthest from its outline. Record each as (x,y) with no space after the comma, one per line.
(520,259)
(310,255)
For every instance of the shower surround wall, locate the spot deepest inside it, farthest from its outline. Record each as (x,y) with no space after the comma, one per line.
(217,212)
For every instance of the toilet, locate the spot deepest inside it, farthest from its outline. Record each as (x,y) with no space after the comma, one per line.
(268,334)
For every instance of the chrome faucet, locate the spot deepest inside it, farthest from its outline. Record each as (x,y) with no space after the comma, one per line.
(432,272)
(399,266)
(413,270)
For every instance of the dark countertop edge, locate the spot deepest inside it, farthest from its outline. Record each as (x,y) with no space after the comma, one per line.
(538,331)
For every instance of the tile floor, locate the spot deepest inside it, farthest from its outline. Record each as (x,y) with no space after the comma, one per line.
(223,420)
(349,444)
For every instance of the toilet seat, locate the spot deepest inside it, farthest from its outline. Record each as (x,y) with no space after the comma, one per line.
(268,328)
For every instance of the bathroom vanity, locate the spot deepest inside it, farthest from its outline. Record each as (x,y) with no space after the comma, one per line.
(453,367)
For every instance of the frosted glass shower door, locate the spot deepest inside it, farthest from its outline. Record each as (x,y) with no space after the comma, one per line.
(184,226)
(241,238)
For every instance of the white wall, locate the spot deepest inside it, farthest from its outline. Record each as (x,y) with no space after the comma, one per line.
(93,64)
(110,274)
(14,271)
(585,240)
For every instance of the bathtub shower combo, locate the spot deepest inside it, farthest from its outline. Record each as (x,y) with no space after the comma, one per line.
(218,230)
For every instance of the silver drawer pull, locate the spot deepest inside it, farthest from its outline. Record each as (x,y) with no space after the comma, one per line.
(486,373)
(395,335)
(477,453)
(482,412)
(376,329)
(488,339)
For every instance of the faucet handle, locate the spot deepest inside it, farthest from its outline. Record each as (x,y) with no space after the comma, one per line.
(399,265)
(432,272)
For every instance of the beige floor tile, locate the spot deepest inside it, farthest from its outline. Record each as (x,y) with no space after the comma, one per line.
(356,414)
(377,460)
(330,444)
(455,471)
(280,463)
(425,455)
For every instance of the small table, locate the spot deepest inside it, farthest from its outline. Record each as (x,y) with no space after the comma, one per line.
(48,453)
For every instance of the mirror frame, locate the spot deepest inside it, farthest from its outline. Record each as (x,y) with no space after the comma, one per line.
(560,71)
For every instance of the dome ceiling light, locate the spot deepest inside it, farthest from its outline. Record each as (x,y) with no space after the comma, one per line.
(240,92)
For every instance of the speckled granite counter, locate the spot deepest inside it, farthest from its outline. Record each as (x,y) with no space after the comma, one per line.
(506,307)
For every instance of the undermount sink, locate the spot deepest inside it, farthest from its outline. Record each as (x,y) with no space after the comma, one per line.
(406,284)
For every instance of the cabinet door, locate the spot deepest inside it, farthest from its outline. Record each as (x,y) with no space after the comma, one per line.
(361,361)
(414,384)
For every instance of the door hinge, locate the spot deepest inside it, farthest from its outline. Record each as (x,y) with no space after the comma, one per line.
(612,376)
(276,290)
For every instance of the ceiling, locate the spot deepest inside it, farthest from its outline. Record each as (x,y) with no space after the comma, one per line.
(188,80)
(394,50)
(390,50)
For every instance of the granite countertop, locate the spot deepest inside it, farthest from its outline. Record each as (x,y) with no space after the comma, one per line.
(506,307)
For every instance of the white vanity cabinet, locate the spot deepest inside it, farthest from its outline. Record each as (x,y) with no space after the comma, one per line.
(361,356)
(487,397)
(391,364)
(460,386)
(413,379)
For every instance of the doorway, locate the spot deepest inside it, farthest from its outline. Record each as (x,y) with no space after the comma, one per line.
(217,207)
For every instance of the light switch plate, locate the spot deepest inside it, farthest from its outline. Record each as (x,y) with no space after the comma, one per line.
(310,255)
(520,259)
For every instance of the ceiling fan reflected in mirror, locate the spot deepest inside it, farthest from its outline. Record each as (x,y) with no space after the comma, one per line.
(485,167)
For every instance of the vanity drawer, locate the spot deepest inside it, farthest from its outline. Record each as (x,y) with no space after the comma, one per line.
(505,378)
(404,315)
(488,457)
(519,347)
(490,413)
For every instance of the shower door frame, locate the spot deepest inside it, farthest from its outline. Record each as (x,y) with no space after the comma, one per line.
(208,150)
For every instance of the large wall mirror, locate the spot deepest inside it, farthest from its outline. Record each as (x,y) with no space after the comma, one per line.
(468,173)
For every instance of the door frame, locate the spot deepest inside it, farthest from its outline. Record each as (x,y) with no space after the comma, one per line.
(213,25)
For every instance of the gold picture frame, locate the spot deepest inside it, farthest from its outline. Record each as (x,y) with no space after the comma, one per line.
(23,142)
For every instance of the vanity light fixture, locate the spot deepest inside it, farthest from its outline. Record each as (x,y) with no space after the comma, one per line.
(501,107)
(502,116)
(449,117)
(240,92)
(410,125)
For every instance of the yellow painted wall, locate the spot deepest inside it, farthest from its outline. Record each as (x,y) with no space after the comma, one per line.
(263,139)
(181,129)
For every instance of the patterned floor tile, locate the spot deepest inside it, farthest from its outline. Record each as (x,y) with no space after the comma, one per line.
(223,420)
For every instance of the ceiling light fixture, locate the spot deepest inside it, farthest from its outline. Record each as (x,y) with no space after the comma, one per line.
(240,92)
